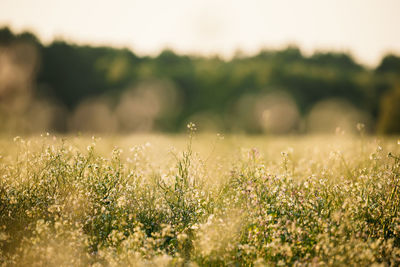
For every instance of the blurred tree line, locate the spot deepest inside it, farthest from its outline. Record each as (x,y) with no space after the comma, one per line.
(210,87)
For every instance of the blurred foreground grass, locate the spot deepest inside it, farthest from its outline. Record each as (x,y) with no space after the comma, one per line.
(199,200)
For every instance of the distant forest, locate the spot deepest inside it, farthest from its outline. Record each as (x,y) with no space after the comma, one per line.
(87,88)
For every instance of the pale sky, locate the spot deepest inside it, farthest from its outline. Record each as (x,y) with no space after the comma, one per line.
(366,28)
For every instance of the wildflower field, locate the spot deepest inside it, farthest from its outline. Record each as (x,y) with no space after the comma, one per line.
(199,200)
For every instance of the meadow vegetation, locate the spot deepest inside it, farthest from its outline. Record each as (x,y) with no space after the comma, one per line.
(199,200)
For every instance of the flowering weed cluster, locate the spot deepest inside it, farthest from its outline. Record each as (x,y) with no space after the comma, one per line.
(304,201)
